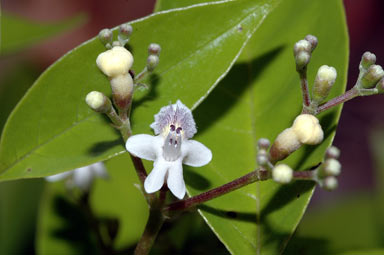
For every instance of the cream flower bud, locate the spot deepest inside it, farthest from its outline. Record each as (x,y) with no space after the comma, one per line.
(302,59)
(122,90)
(98,102)
(285,143)
(105,36)
(325,78)
(367,60)
(114,62)
(282,174)
(332,167)
(373,75)
(312,40)
(308,129)
(332,152)
(302,45)
(154,49)
(330,183)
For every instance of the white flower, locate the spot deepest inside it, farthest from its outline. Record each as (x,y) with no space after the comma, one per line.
(82,177)
(170,148)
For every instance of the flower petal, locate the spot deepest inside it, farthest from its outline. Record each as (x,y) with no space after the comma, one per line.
(58,177)
(100,170)
(83,177)
(175,179)
(155,179)
(143,146)
(196,153)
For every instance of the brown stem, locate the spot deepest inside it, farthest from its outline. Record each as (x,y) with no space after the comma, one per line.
(304,175)
(154,223)
(304,87)
(348,95)
(257,175)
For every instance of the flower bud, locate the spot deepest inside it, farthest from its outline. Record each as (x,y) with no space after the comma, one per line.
(330,183)
(325,78)
(380,86)
(98,102)
(312,40)
(302,45)
(332,152)
(285,143)
(152,62)
(331,167)
(262,159)
(367,60)
(114,62)
(263,144)
(308,129)
(105,36)
(125,31)
(154,49)
(282,174)
(302,59)
(372,76)
(122,90)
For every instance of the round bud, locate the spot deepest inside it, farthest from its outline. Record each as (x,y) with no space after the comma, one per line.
(332,152)
(312,40)
(302,45)
(262,159)
(152,62)
(325,78)
(367,60)
(282,174)
(154,49)
(372,76)
(122,90)
(332,167)
(302,59)
(263,144)
(308,129)
(98,102)
(114,62)
(286,143)
(330,183)
(105,36)
(125,30)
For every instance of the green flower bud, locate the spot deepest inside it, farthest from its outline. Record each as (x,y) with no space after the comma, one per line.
(125,31)
(325,78)
(98,102)
(380,86)
(152,62)
(302,59)
(367,60)
(372,76)
(105,36)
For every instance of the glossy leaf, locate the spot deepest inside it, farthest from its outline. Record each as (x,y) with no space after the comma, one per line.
(116,201)
(53,130)
(18,33)
(259,98)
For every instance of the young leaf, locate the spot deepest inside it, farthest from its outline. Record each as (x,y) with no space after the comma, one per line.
(52,130)
(18,33)
(260,97)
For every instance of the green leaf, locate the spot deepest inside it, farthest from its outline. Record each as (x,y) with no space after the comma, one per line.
(324,230)
(18,33)
(18,213)
(52,129)
(260,97)
(61,217)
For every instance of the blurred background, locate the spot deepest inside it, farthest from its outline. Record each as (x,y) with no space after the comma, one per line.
(359,135)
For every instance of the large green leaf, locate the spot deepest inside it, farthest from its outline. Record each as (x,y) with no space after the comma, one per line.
(52,129)
(115,202)
(18,33)
(259,98)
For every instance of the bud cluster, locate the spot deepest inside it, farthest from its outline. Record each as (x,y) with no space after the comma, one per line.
(370,79)
(303,50)
(329,170)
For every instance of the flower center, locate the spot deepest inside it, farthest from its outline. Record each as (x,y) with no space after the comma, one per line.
(172,144)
